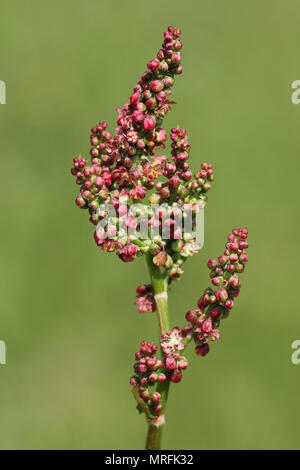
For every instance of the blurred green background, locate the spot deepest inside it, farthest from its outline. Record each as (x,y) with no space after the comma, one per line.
(66,308)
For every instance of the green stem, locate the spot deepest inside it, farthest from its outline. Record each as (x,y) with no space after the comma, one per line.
(159,279)
(155,428)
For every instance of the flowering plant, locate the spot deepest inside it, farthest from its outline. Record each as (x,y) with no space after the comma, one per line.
(125,169)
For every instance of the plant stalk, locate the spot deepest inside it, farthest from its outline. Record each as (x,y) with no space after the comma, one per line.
(159,279)
(155,427)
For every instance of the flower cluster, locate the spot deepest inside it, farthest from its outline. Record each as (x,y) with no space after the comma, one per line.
(139,121)
(145,299)
(214,305)
(148,372)
(203,322)
(172,344)
(124,167)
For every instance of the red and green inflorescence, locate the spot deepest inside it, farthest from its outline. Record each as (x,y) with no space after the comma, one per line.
(125,169)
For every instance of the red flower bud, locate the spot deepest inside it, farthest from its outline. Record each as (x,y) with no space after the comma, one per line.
(127,253)
(229,303)
(162,378)
(175,376)
(170,363)
(191,316)
(153,377)
(207,325)
(135,98)
(222,294)
(138,192)
(202,350)
(151,103)
(149,123)
(138,116)
(233,281)
(223,259)
(153,65)
(212,263)
(244,257)
(80,201)
(157,85)
(164,192)
(216,312)
(174,181)
(168,81)
(156,396)
(161,136)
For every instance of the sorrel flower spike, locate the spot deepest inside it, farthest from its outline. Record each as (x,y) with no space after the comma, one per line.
(124,170)
(216,304)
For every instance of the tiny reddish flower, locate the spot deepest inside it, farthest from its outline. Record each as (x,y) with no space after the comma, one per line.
(202,350)
(138,192)
(157,85)
(127,253)
(149,123)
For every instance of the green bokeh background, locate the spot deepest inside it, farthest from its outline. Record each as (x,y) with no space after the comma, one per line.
(66,308)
